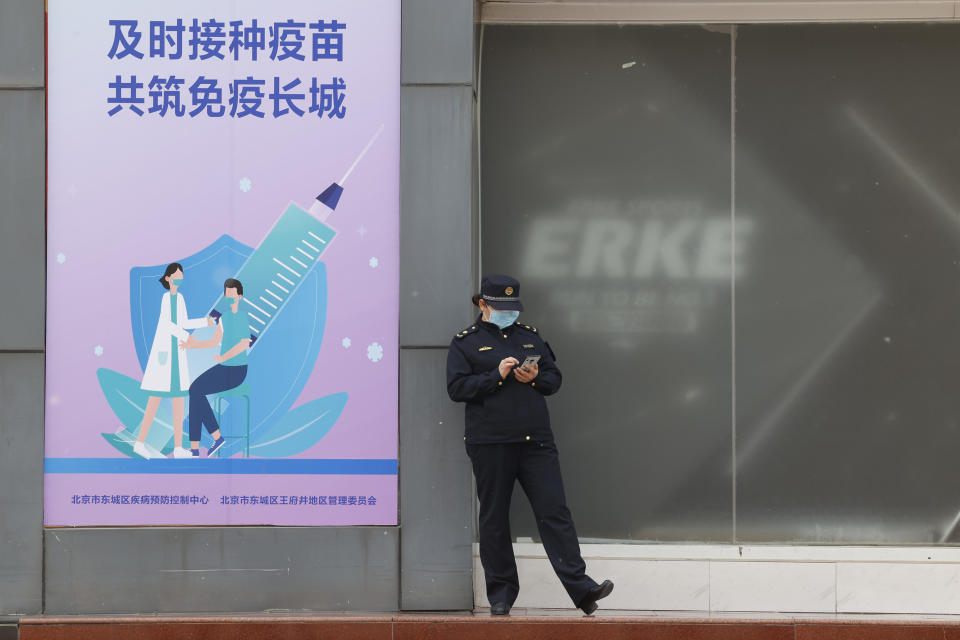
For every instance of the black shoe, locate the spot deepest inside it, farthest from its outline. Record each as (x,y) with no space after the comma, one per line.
(499,609)
(589,604)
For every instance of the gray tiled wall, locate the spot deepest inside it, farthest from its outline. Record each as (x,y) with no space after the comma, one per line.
(119,570)
(22,308)
(436,279)
(234,569)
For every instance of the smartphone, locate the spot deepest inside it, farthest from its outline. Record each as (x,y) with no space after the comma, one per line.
(531,361)
(216,316)
(253,339)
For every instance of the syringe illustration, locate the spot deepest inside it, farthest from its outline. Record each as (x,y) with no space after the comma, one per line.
(288,253)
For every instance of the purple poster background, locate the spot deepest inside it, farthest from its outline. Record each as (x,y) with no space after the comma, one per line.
(126,191)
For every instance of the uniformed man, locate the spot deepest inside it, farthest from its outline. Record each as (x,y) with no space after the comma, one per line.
(508,438)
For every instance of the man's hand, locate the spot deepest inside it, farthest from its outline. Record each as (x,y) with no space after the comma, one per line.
(506,365)
(188,343)
(217,357)
(526,375)
(210,321)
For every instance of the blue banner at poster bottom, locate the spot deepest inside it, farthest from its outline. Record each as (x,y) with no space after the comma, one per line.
(227,466)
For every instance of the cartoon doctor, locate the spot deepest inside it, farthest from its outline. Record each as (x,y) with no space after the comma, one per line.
(167,374)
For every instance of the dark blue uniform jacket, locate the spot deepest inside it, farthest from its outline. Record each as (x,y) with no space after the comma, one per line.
(500,411)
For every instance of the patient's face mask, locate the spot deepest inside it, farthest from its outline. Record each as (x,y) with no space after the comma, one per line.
(502,318)
(176,281)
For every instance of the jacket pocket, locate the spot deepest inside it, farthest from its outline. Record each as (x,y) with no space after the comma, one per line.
(162,357)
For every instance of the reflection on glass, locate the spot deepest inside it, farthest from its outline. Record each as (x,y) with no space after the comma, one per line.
(847,341)
(606,191)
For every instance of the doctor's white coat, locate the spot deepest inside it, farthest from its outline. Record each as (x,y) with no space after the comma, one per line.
(156,377)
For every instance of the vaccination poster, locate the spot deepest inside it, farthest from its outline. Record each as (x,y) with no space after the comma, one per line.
(222,243)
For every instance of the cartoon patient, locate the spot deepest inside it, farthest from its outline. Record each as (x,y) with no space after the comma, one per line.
(233,336)
(166,374)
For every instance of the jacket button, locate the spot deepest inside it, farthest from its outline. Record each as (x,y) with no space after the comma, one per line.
(528,437)
(500,384)
(504,335)
(533,384)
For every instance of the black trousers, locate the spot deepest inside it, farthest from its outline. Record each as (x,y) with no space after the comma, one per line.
(537,467)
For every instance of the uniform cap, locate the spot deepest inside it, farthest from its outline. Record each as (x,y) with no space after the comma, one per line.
(501,292)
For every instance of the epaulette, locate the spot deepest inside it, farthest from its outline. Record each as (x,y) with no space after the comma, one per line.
(471,329)
(526,326)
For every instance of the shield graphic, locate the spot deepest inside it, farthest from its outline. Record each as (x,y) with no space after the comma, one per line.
(278,368)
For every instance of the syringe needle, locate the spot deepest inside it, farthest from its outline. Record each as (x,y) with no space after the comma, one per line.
(360,157)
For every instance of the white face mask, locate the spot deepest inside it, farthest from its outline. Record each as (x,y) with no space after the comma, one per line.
(503,319)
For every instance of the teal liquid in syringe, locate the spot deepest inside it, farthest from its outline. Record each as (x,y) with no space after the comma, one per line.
(288,253)
(281,262)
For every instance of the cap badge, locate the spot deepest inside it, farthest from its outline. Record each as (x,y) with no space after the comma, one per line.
(509,291)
